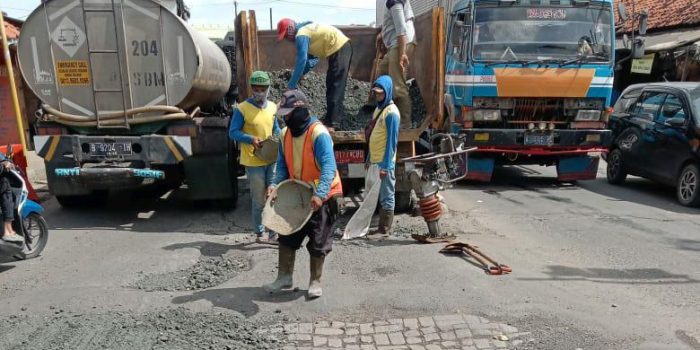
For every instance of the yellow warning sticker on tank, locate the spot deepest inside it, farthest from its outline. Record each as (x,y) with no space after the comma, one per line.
(73,73)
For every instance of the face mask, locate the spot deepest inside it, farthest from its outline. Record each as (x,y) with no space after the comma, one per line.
(297,120)
(375,98)
(260,97)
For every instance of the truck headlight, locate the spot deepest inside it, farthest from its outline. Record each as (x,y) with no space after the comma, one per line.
(588,115)
(487,115)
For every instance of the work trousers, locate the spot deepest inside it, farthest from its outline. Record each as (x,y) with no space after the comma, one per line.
(387,191)
(6,201)
(391,65)
(336,80)
(319,229)
(259,178)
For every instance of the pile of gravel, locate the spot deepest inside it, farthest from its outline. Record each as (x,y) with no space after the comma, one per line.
(206,273)
(355,117)
(170,329)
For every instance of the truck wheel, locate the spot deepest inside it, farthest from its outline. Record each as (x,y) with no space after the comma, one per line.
(97,198)
(404,202)
(688,189)
(616,170)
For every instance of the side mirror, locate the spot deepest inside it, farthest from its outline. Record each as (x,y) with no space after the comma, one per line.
(643,19)
(638,48)
(621,11)
(675,122)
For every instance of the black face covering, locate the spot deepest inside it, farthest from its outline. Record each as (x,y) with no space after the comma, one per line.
(297,121)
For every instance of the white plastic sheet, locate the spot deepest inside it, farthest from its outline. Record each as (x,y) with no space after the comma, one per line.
(358,226)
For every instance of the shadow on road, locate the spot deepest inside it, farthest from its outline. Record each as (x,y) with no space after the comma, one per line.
(217,249)
(639,191)
(688,244)
(613,276)
(519,178)
(240,299)
(138,212)
(4,268)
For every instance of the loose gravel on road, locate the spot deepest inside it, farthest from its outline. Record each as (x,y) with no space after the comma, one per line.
(168,329)
(206,273)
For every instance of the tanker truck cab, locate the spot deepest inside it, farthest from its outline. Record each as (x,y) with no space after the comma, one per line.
(531,82)
(131,96)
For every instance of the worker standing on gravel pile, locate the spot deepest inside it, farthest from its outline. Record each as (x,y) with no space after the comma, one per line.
(306,154)
(383,135)
(314,41)
(254,121)
(396,42)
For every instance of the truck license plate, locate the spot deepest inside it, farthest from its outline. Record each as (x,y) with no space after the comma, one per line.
(539,140)
(351,156)
(110,149)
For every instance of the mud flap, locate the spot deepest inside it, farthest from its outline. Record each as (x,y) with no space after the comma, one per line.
(577,168)
(480,169)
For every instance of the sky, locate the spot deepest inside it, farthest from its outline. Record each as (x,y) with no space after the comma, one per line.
(220,12)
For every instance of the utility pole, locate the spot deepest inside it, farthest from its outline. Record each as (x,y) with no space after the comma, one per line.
(271,18)
(235,8)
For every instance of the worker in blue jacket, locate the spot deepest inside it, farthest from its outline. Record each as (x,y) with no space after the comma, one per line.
(383,136)
(314,41)
(306,154)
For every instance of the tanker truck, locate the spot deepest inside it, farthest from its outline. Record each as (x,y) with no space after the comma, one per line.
(132,97)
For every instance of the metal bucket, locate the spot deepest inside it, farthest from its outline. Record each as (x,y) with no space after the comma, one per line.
(269,150)
(290,210)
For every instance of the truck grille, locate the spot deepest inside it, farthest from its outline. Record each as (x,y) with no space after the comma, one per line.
(526,111)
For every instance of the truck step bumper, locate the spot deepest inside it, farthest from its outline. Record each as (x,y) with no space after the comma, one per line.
(108,178)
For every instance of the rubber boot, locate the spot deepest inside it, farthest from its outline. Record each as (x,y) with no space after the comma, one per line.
(386,220)
(316,265)
(286,269)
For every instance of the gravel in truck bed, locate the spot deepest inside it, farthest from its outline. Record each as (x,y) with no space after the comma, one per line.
(356,94)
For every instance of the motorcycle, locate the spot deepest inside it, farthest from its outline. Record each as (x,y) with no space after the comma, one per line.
(29,222)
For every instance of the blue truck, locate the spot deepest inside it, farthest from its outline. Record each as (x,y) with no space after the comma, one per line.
(530,82)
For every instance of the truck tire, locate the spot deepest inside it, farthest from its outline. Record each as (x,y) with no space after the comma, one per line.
(688,187)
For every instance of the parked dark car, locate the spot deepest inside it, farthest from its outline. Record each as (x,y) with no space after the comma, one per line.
(656,130)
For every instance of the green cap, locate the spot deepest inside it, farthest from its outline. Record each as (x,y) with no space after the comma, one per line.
(260,78)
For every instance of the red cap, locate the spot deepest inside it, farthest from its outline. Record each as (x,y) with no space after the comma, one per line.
(283,28)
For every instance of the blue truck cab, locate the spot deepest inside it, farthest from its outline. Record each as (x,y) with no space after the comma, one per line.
(530,82)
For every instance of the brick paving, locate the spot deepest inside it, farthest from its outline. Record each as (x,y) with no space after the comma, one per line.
(442,332)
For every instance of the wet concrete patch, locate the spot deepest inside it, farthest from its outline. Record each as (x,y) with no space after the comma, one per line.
(172,329)
(206,273)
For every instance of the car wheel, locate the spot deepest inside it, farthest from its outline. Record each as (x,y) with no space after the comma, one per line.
(615,170)
(688,189)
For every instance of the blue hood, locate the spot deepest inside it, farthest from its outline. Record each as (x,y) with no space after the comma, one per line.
(385,83)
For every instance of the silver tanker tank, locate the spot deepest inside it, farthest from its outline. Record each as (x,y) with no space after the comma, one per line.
(93,58)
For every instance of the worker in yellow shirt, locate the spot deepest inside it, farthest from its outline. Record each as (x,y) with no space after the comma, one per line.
(254,121)
(314,41)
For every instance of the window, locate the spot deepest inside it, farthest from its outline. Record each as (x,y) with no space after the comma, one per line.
(648,105)
(672,108)
(623,104)
(460,35)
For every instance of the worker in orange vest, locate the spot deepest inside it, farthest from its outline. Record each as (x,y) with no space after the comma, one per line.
(306,154)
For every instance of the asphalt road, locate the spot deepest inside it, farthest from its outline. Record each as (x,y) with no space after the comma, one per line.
(594,266)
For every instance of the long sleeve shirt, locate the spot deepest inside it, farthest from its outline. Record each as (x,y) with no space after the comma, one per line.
(325,158)
(392,140)
(304,61)
(235,131)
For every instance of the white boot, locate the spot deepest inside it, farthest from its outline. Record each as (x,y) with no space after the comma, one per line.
(316,265)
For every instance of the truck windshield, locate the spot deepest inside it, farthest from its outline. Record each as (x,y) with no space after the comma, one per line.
(542,33)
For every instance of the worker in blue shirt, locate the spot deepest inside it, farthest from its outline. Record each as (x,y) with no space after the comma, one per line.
(314,41)
(383,136)
(306,154)
(254,121)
